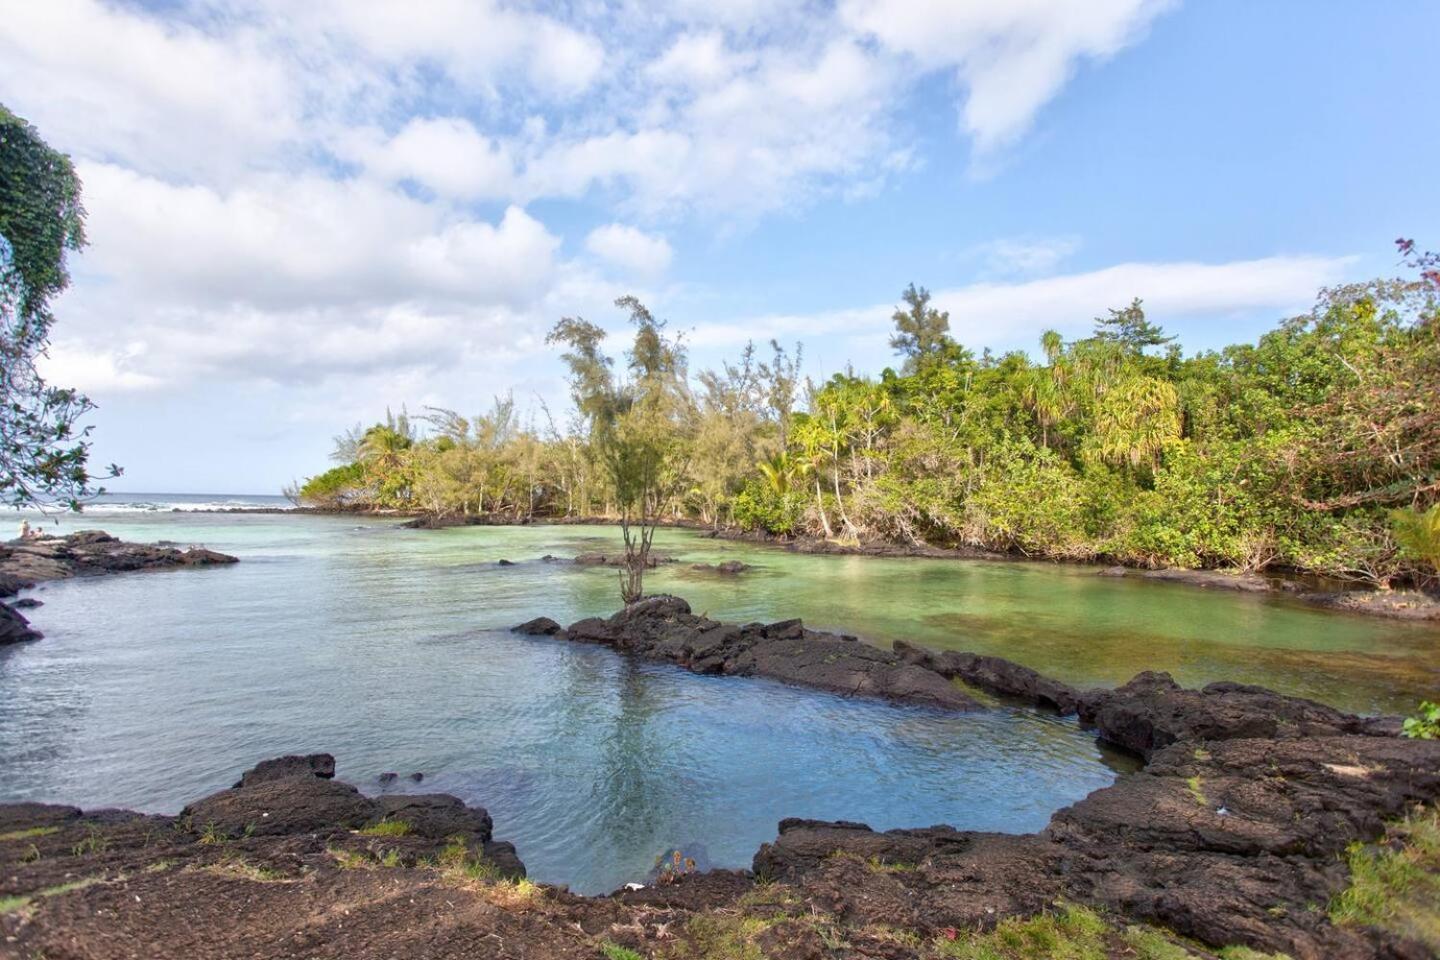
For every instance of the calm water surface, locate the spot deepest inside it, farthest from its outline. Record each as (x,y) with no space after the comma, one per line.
(388,647)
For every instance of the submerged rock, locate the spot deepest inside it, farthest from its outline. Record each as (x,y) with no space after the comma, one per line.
(726,567)
(616,560)
(539,627)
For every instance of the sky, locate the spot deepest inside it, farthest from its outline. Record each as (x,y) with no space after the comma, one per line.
(301,214)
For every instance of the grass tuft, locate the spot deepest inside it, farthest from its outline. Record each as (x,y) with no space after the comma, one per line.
(1069,933)
(1395,885)
(350,860)
(247,871)
(613,951)
(212,835)
(94,842)
(386,828)
(13,904)
(29,834)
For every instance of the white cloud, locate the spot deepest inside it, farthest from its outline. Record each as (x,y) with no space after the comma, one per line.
(1011,58)
(445,154)
(109,83)
(75,364)
(475,43)
(1023,256)
(698,60)
(632,250)
(291,241)
(789,123)
(1009,315)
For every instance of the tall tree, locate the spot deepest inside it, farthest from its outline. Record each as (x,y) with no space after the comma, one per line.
(1129,328)
(44,455)
(922,333)
(636,423)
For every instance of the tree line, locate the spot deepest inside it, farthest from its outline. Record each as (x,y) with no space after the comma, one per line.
(1316,448)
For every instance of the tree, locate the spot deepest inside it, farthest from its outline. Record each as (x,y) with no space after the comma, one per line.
(635,422)
(1129,328)
(922,333)
(45,457)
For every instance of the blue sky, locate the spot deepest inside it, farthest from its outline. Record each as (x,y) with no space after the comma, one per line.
(301,214)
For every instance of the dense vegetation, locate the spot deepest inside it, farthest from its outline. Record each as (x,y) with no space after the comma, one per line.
(1316,448)
(43,454)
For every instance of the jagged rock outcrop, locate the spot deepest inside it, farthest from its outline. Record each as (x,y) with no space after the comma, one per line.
(1232,842)
(995,675)
(1152,711)
(294,795)
(320,765)
(296,804)
(664,628)
(14,628)
(88,553)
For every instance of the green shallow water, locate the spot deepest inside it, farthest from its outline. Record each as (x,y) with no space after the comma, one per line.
(391,649)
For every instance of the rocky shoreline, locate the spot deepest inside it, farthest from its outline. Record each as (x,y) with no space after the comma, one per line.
(1233,832)
(87,553)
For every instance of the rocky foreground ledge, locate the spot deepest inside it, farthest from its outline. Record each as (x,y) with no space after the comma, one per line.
(1239,830)
(88,553)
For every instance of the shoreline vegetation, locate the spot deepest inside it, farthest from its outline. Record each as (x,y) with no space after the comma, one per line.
(1257,826)
(1314,452)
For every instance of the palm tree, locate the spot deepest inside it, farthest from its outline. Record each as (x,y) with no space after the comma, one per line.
(781,470)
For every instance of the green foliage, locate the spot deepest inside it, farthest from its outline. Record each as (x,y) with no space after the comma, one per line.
(922,333)
(386,828)
(1129,328)
(1072,933)
(335,487)
(44,454)
(1316,448)
(1396,885)
(1418,534)
(759,507)
(637,424)
(613,951)
(1425,725)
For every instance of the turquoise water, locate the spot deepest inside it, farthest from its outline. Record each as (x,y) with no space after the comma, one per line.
(389,648)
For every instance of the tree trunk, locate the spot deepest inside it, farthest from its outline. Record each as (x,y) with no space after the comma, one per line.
(820,506)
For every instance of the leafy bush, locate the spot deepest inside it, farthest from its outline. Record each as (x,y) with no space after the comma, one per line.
(1425,725)
(335,487)
(758,507)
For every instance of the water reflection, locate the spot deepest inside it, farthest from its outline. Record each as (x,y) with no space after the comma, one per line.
(387,647)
